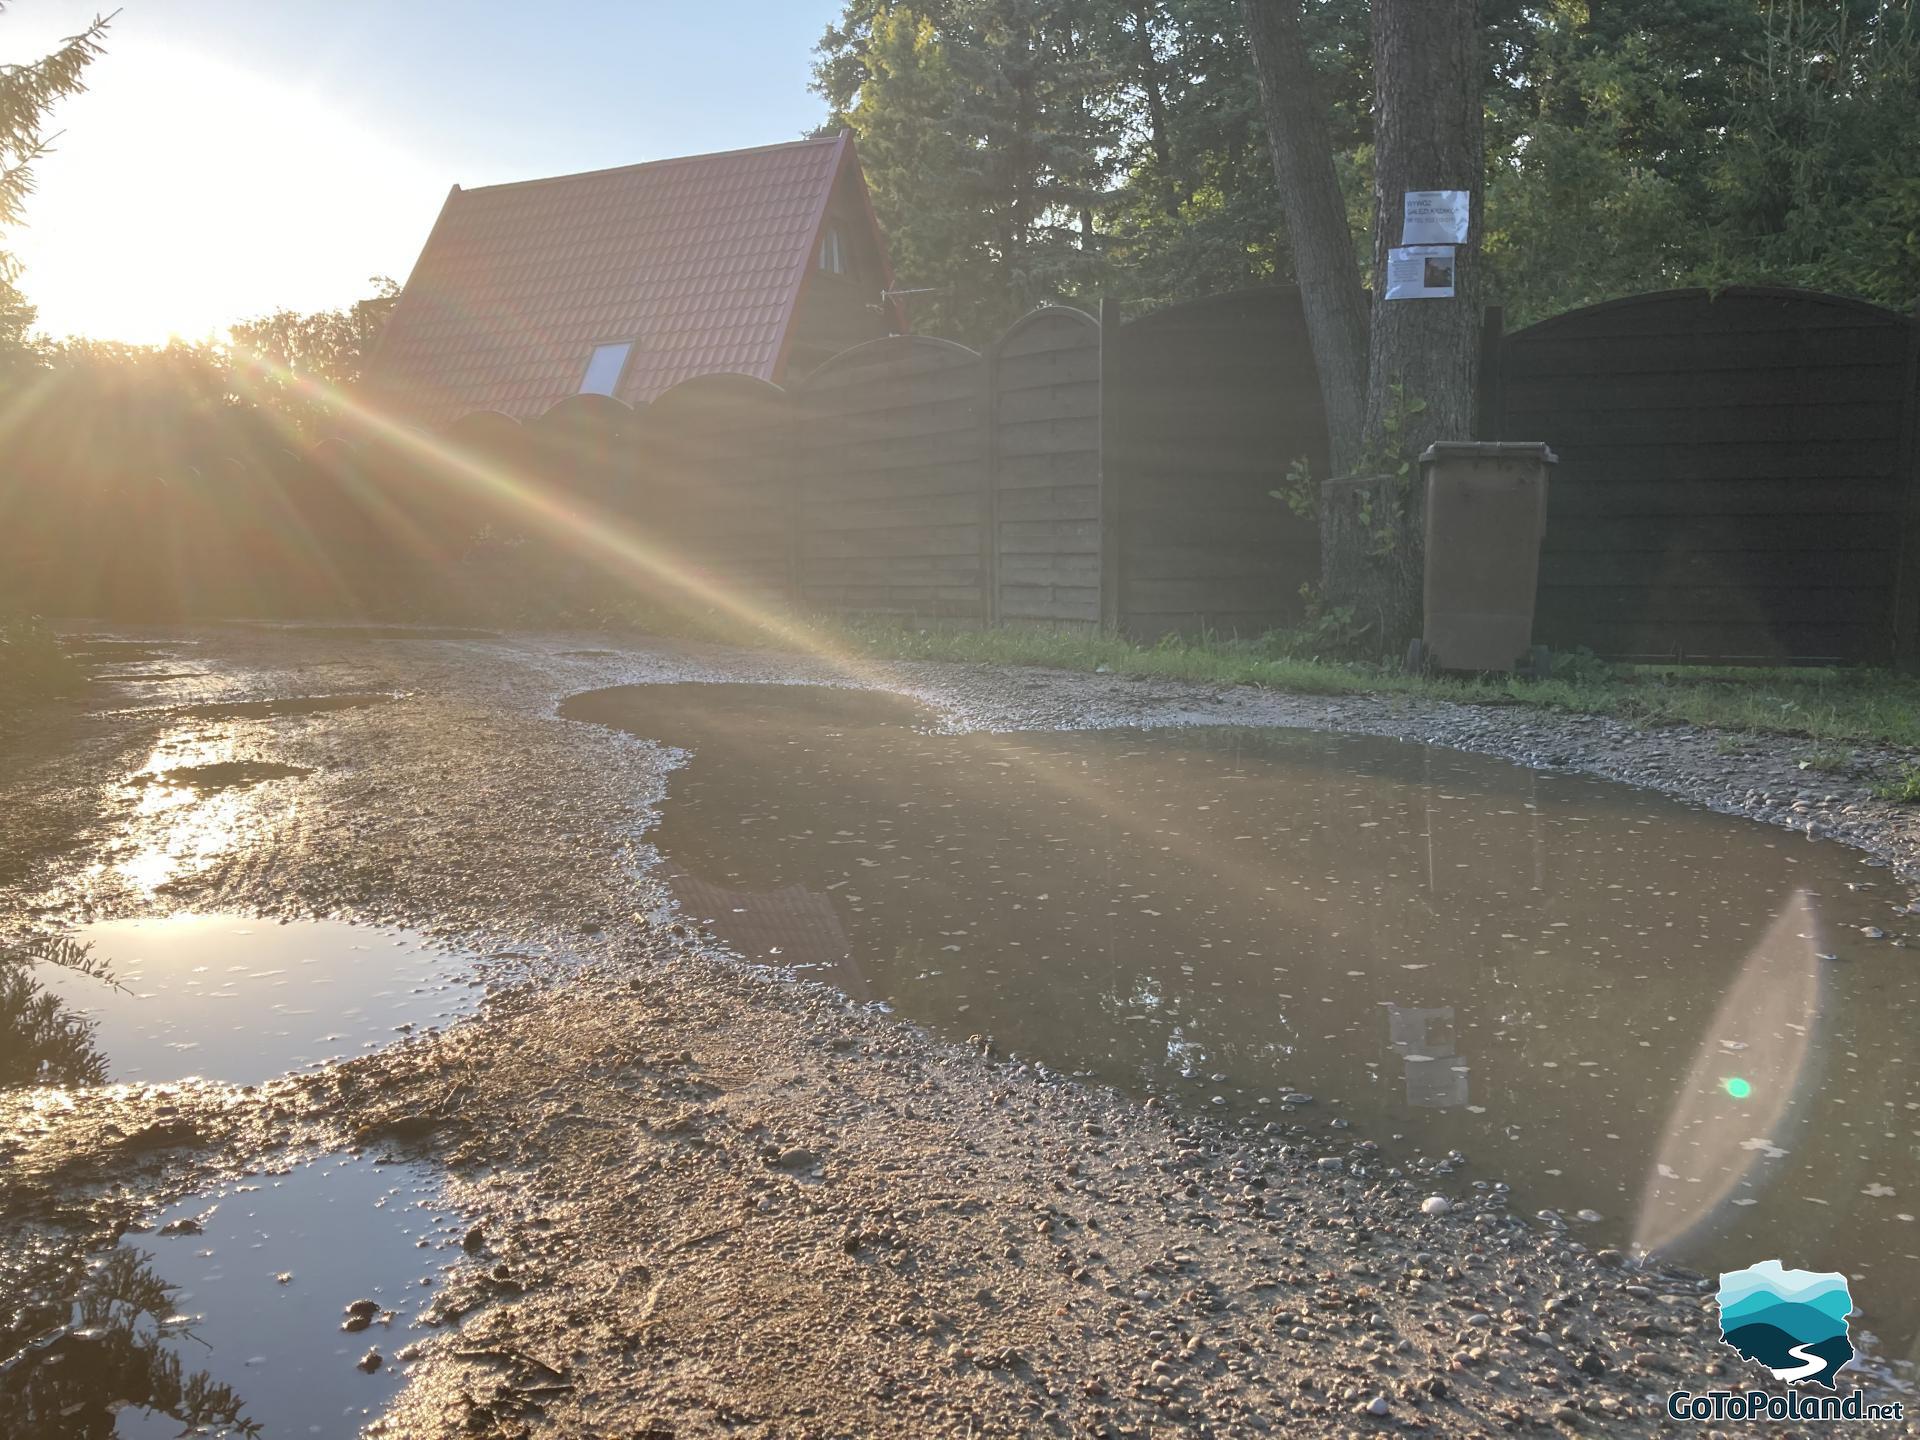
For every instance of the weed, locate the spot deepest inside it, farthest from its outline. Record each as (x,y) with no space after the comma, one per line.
(1903,788)
(1827,759)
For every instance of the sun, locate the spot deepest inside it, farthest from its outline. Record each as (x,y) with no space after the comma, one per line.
(186,193)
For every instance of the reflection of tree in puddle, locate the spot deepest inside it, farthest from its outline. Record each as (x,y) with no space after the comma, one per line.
(90,1338)
(41,1043)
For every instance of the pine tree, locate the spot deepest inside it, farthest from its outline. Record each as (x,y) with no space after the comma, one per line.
(28,92)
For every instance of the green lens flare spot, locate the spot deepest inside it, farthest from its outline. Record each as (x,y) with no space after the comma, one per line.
(1736,1087)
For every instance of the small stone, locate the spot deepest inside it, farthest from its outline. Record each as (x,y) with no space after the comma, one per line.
(363,1309)
(1435,1205)
(473,1240)
(1588,1217)
(370,1361)
(798,1158)
(1331,1162)
(1377,1405)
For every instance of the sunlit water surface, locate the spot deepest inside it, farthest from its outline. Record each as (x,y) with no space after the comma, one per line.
(239,1000)
(225,1318)
(1615,1001)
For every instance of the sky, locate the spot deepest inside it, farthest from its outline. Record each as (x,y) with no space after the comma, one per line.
(235,157)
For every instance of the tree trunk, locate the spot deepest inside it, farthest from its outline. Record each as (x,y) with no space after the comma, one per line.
(1323,261)
(1151,87)
(1423,355)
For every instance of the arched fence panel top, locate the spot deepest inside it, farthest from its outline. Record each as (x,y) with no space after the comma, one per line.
(580,414)
(709,401)
(1732,309)
(1045,327)
(894,357)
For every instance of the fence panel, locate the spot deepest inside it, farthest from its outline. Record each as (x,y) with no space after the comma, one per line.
(1734,471)
(718,487)
(1209,402)
(891,465)
(1046,464)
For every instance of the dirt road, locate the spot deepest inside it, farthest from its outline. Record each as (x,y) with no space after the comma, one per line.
(706,1201)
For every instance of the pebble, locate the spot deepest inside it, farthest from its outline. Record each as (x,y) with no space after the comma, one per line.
(1435,1205)
(370,1361)
(1377,1405)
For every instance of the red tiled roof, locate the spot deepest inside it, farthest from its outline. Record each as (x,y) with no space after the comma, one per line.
(699,261)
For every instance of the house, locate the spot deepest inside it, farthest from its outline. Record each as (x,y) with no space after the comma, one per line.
(624,282)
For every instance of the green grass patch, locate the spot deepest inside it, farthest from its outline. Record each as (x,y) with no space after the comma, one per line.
(1832,708)
(1903,787)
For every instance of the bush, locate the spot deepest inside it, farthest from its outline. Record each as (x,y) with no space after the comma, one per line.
(32,664)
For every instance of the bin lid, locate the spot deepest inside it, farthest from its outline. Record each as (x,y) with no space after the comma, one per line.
(1490,450)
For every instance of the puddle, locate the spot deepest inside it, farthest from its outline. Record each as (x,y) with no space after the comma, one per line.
(1616,1002)
(276,709)
(232,999)
(225,1318)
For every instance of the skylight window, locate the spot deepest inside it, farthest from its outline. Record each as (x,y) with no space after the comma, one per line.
(604,370)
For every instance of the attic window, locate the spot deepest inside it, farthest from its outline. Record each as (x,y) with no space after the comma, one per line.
(833,255)
(605,368)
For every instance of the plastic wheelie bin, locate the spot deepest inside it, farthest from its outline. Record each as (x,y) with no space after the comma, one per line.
(1486,513)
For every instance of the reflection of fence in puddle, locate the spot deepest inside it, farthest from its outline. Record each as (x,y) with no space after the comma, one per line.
(1424,1040)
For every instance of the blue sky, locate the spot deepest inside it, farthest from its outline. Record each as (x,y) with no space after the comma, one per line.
(234,157)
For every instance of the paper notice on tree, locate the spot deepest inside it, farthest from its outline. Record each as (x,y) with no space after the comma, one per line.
(1420,272)
(1435,217)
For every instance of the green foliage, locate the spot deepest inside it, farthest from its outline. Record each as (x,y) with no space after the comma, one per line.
(1827,759)
(1646,144)
(296,364)
(32,664)
(27,93)
(1021,152)
(1903,787)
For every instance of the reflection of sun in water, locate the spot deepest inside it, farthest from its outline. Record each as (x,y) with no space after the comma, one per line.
(178,828)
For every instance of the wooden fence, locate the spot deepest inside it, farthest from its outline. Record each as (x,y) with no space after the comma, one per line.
(1737,475)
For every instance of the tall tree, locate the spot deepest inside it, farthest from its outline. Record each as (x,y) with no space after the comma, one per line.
(985,129)
(28,93)
(1405,375)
